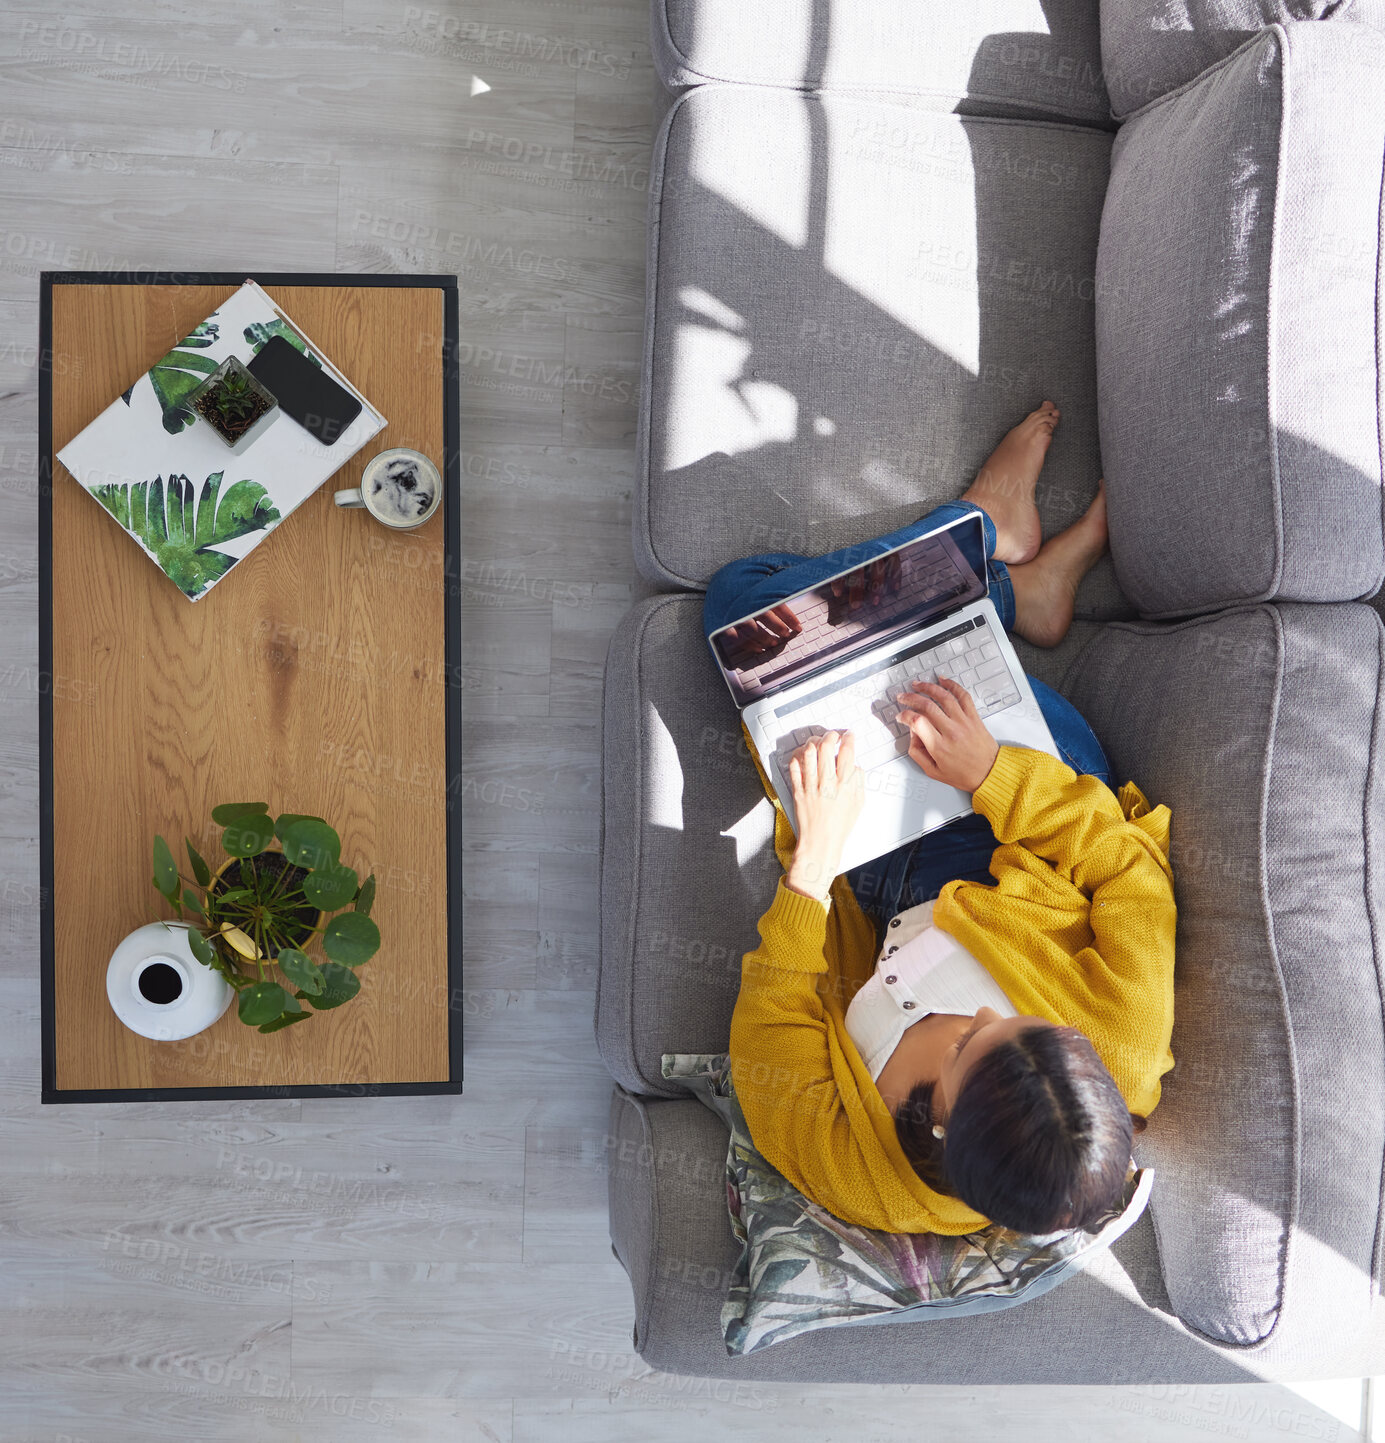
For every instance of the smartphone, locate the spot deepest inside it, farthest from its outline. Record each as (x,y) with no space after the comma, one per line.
(304,391)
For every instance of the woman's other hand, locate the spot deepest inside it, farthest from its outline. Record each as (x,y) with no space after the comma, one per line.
(828,791)
(948,739)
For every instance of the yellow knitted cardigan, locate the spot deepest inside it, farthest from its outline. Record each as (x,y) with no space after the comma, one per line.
(1078,929)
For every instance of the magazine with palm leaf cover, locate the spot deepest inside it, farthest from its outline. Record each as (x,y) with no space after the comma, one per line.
(172,483)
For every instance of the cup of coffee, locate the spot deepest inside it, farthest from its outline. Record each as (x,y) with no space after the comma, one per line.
(400,489)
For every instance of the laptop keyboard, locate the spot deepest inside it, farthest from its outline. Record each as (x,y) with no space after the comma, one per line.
(867,707)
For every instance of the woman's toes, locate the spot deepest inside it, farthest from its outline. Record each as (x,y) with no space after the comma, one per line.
(1044,419)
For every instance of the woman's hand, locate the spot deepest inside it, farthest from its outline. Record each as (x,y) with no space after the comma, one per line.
(828,791)
(948,739)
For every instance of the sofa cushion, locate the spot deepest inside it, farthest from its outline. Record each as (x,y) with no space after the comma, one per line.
(802,1269)
(1261,729)
(1003,52)
(687,847)
(1150,47)
(1238,280)
(687,863)
(849,305)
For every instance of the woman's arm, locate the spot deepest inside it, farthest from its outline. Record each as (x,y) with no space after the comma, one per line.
(1075,823)
(1077,830)
(1031,798)
(781,1052)
(779,1011)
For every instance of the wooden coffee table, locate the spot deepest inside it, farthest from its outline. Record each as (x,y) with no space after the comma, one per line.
(318,676)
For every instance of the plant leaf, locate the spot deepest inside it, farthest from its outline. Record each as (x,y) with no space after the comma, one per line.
(261,1003)
(194,906)
(156,522)
(351,938)
(165,871)
(249,836)
(330,887)
(181,542)
(204,333)
(116,500)
(311,843)
(259,332)
(200,869)
(206,510)
(365,898)
(341,985)
(176,512)
(301,970)
(234,937)
(201,948)
(287,1020)
(174,378)
(138,494)
(234,895)
(243,508)
(286,819)
(229,812)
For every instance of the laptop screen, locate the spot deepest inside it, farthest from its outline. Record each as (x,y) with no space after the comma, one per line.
(854,611)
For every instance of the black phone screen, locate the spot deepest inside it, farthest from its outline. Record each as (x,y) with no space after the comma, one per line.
(304,391)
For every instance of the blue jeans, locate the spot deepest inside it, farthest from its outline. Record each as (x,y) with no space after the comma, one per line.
(916,871)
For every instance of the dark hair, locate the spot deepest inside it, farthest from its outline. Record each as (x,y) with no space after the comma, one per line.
(1038,1139)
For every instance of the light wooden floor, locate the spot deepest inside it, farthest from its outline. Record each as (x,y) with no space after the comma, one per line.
(426,1268)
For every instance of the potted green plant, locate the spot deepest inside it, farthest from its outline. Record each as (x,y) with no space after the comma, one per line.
(234,404)
(263,907)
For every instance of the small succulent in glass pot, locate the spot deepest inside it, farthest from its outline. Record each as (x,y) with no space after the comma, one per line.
(234,404)
(264,906)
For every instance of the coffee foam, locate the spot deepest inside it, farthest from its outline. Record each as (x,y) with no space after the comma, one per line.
(401,490)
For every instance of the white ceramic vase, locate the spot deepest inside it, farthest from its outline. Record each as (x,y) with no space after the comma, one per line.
(159,989)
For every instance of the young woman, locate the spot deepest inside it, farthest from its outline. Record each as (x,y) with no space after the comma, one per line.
(967,1029)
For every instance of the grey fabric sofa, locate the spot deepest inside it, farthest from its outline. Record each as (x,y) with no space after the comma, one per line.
(875,242)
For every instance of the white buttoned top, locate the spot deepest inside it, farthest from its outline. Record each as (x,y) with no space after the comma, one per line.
(920,970)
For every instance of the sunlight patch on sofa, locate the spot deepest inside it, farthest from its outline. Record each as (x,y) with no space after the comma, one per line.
(753,832)
(662,782)
(735,412)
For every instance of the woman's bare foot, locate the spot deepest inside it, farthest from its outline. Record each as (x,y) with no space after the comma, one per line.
(1004,487)
(1046,588)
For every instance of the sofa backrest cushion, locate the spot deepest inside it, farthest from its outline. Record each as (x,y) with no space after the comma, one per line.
(1261,729)
(1238,373)
(1001,56)
(1150,47)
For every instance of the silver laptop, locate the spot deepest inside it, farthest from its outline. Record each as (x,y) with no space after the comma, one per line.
(834,656)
